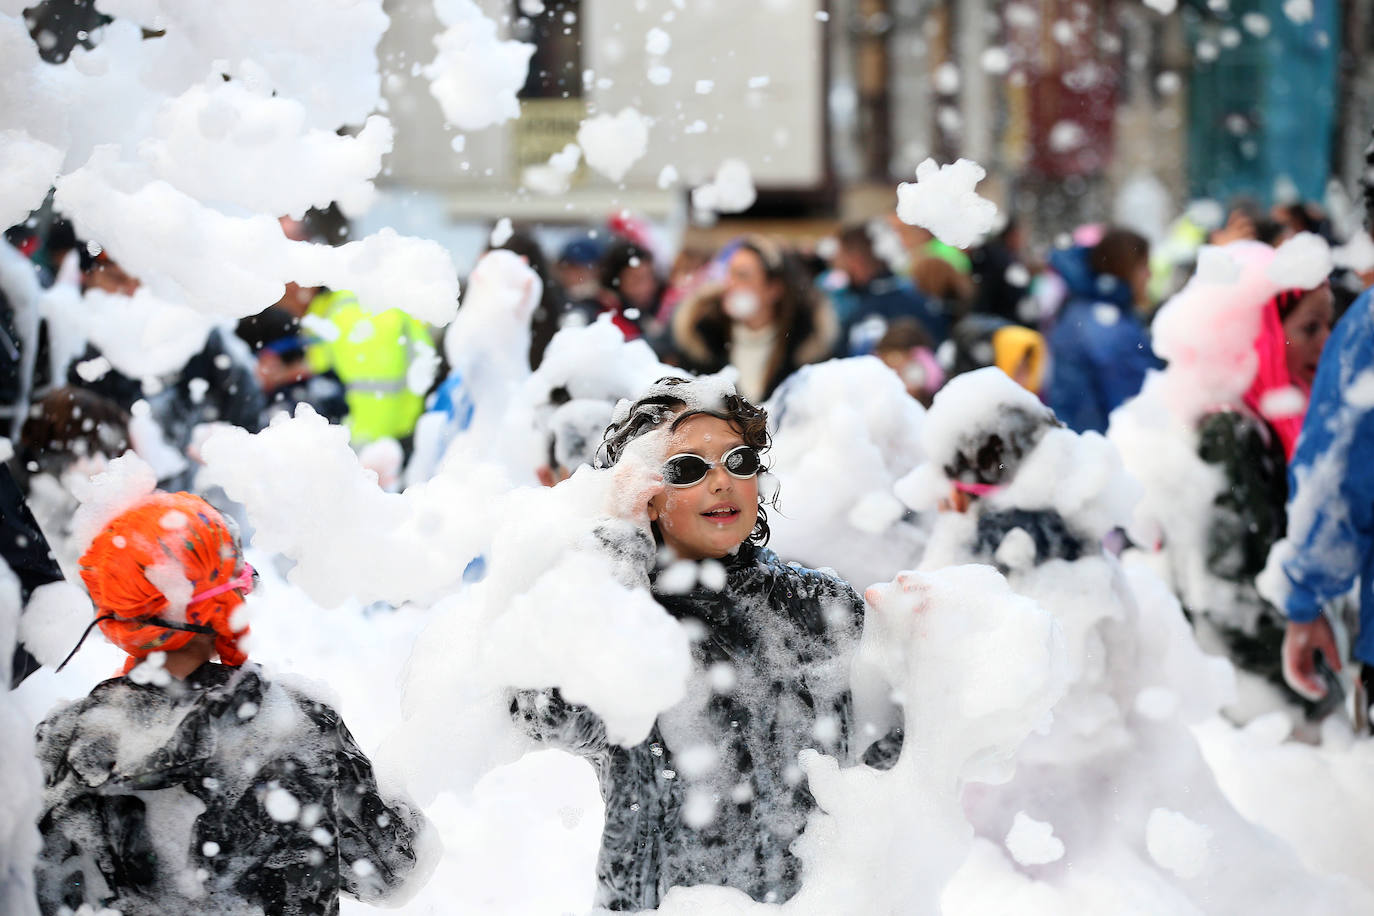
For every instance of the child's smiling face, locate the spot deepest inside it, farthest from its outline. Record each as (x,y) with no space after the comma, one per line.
(715,515)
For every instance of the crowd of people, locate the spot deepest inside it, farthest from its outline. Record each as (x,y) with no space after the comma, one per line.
(1068,340)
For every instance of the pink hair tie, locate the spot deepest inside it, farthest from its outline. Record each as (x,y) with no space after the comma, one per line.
(246,579)
(976,489)
(934,375)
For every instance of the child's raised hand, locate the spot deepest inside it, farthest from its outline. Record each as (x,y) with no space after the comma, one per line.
(637,479)
(634,484)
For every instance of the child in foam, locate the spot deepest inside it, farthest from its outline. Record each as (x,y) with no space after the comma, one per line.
(979,431)
(1036,499)
(1210,436)
(186,785)
(1252,446)
(714,795)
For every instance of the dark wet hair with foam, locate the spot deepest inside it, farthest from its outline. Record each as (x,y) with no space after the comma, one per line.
(993,456)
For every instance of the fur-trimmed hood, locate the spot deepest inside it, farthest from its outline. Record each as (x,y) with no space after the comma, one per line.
(700,332)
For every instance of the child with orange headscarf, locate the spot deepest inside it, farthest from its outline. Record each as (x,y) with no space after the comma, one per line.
(186,785)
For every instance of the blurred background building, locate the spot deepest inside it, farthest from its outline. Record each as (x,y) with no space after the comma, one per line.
(1077,108)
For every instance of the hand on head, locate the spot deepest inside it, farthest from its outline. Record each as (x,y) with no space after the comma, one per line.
(636,480)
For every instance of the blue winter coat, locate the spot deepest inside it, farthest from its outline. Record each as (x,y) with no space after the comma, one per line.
(1099,348)
(888,298)
(1331,479)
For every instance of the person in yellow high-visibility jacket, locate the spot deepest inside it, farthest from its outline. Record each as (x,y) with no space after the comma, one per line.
(381,359)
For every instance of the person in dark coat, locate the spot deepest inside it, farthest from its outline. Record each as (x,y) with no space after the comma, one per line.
(193,786)
(767,321)
(1098,344)
(25,551)
(1248,517)
(630,289)
(874,297)
(217,384)
(277,340)
(1001,281)
(714,795)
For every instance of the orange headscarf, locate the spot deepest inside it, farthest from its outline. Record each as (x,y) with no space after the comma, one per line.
(186,537)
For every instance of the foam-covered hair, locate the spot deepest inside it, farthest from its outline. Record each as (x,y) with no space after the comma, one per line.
(982,424)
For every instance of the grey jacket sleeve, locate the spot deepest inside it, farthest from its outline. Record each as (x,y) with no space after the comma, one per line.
(547,717)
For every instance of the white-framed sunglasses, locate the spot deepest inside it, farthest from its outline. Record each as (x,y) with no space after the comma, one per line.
(687,470)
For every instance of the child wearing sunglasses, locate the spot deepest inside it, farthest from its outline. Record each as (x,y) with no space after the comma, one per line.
(714,795)
(187,785)
(980,431)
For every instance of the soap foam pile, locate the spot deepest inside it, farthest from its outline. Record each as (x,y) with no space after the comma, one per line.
(180,173)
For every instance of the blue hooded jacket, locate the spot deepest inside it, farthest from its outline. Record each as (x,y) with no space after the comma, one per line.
(1331,479)
(889,298)
(1099,348)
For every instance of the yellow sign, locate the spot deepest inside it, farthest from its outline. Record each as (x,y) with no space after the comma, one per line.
(544,128)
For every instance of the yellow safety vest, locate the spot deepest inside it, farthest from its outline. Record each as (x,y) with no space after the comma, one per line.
(372,355)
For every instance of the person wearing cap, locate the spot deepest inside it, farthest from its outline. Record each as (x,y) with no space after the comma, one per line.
(577,269)
(193,785)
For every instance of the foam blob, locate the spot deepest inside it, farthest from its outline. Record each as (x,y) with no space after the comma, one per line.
(475,75)
(943,200)
(613,143)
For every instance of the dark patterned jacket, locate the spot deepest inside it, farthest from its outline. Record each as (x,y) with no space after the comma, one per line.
(1248,515)
(224,793)
(1053,537)
(714,795)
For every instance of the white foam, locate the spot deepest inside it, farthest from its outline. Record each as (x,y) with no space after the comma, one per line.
(943,200)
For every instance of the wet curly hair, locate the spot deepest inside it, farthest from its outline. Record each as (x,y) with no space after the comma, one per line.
(662,405)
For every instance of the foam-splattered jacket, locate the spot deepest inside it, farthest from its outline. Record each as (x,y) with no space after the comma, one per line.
(1331,484)
(224,793)
(714,795)
(1249,513)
